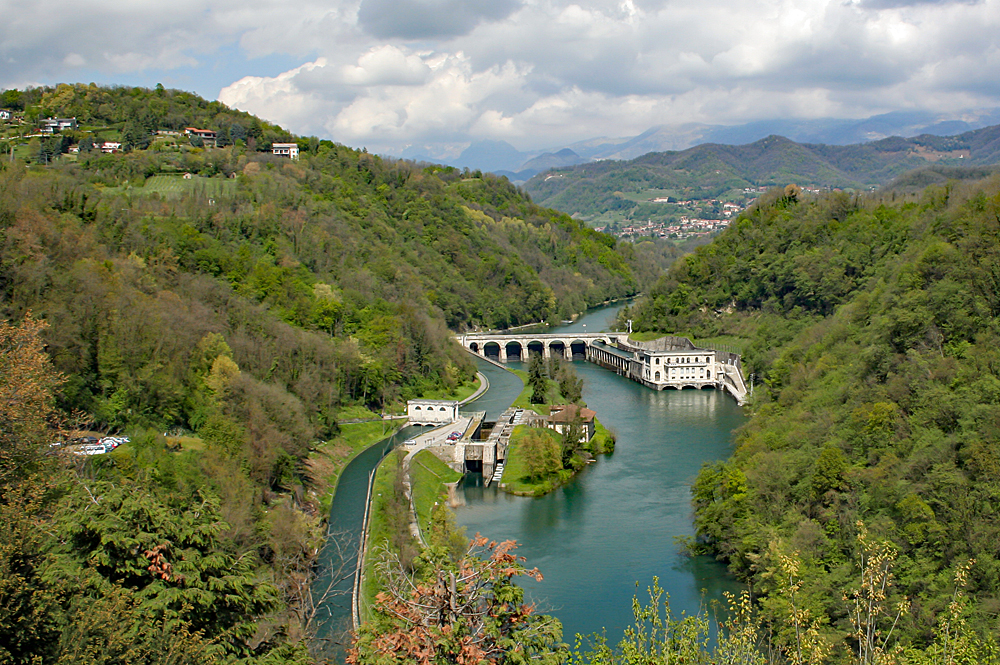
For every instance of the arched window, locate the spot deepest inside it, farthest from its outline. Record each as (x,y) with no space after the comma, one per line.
(416,408)
(657,376)
(443,409)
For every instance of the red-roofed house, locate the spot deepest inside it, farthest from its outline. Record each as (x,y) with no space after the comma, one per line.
(561,418)
(206,135)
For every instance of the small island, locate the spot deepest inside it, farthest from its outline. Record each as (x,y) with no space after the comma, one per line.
(557,435)
(547,451)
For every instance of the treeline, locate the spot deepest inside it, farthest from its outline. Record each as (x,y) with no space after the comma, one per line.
(710,170)
(141,111)
(243,301)
(872,327)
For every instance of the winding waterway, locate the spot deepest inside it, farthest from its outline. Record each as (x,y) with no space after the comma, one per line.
(617,523)
(611,527)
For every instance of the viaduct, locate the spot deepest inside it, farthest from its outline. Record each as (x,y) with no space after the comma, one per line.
(665,363)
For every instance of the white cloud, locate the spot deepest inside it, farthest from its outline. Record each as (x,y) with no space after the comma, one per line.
(534,72)
(386,65)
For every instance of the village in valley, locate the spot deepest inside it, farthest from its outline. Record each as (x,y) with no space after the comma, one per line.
(681,220)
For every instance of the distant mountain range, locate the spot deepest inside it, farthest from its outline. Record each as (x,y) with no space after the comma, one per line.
(713,170)
(519,166)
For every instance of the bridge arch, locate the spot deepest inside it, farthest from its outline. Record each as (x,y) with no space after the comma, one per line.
(514,349)
(535,346)
(491,349)
(557,347)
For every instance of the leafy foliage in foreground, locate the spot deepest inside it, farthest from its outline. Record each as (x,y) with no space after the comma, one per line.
(468,611)
(134,571)
(874,326)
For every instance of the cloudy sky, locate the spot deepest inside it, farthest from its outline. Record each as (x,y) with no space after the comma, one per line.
(388,74)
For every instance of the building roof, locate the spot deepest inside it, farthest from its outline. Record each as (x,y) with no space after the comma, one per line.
(568,412)
(613,350)
(665,344)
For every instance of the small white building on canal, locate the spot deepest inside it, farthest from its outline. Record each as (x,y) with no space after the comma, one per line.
(431,411)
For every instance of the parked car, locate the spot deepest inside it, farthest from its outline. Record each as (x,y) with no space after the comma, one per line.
(112,442)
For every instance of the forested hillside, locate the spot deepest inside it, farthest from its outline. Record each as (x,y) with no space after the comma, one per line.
(713,170)
(245,300)
(135,114)
(872,324)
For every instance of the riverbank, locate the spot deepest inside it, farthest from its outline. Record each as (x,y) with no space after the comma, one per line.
(329,459)
(359,430)
(391,510)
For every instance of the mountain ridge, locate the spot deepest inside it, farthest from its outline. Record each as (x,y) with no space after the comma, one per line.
(712,170)
(515,164)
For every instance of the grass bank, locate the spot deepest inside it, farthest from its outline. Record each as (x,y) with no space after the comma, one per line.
(429,477)
(518,476)
(388,517)
(328,459)
(463,391)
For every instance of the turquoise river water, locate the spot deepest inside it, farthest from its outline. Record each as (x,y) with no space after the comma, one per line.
(613,527)
(617,523)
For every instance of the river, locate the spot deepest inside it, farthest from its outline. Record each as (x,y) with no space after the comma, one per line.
(617,523)
(611,527)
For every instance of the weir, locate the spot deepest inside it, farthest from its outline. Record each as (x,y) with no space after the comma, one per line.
(665,363)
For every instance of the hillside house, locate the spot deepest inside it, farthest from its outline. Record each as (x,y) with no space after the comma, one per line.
(561,419)
(4,114)
(290,150)
(53,125)
(207,136)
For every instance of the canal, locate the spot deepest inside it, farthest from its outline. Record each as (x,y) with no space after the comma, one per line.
(618,523)
(338,560)
(614,526)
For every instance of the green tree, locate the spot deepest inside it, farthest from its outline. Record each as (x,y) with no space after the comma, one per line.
(540,452)
(570,385)
(135,136)
(167,562)
(537,380)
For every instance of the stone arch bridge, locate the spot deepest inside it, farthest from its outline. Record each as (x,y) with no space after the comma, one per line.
(507,346)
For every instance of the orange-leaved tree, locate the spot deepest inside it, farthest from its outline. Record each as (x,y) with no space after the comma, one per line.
(27,386)
(465,613)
